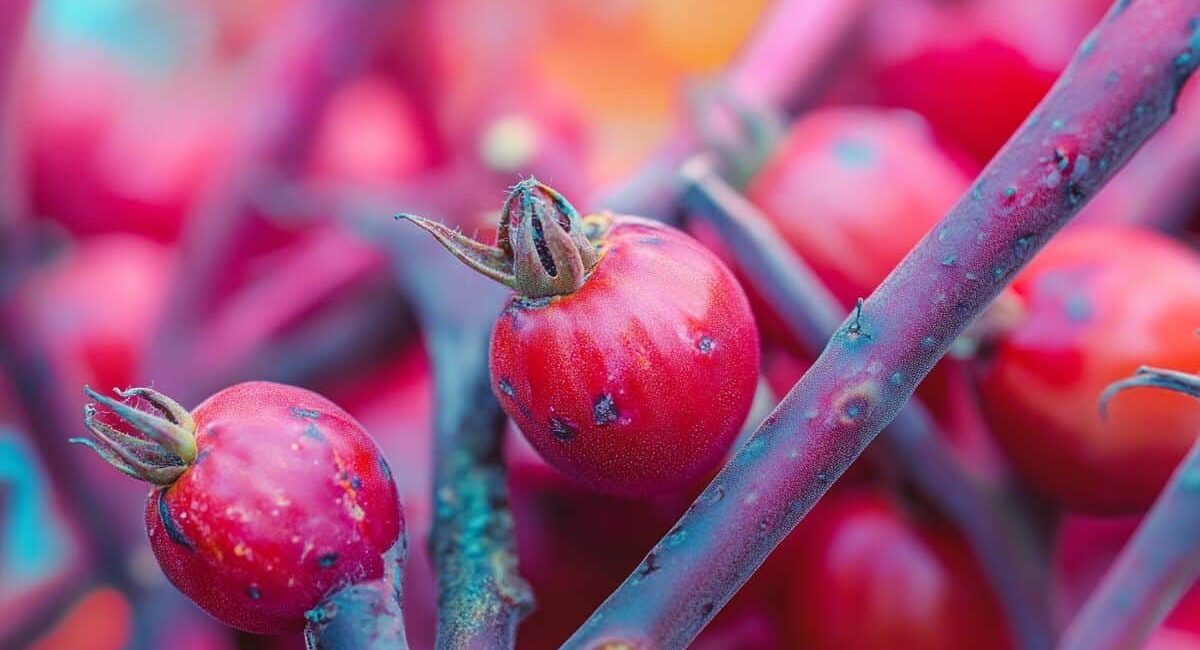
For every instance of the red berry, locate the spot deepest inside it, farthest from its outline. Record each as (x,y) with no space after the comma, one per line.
(268,497)
(975,88)
(1098,303)
(867,574)
(844,176)
(99,304)
(628,356)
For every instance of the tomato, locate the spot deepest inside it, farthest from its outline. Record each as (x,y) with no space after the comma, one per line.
(867,574)
(268,497)
(1098,302)
(845,176)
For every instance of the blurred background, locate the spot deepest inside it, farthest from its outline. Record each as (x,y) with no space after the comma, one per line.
(197,192)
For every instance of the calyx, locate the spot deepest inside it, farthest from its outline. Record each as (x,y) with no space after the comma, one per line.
(162,452)
(542,246)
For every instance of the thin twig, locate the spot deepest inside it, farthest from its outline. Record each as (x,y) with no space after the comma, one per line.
(1159,564)
(1121,86)
(813,315)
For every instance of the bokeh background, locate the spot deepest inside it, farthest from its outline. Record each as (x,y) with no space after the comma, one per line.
(186,212)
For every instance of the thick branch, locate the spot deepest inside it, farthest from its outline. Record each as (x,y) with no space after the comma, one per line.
(789,59)
(481,597)
(1120,88)
(1155,568)
(812,315)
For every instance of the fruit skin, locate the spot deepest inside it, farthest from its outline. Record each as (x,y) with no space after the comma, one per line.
(974,88)
(841,178)
(866,574)
(637,382)
(1099,302)
(288,499)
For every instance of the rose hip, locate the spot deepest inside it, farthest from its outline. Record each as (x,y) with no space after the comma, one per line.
(267,497)
(1097,303)
(628,355)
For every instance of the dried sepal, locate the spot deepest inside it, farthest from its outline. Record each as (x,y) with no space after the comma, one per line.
(1148,377)
(166,451)
(159,428)
(490,261)
(542,245)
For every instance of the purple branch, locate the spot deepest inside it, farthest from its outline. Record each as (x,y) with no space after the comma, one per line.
(481,597)
(1162,560)
(1120,88)
(320,43)
(364,615)
(1161,188)
(812,315)
(793,54)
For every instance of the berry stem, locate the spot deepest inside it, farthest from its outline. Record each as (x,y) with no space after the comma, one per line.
(481,597)
(364,615)
(1162,560)
(319,44)
(1120,87)
(795,51)
(812,315)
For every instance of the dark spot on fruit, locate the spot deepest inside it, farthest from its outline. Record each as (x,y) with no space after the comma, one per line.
(604,410)
(327,560)
(854,153)
(562,430)
(169,523)
(855,408)
(707,609)
(530,303)
(356,482)
(253,592)
(705,345)
(311,431)
(307,414)
(1078,308)
(650,565)
(505,387)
